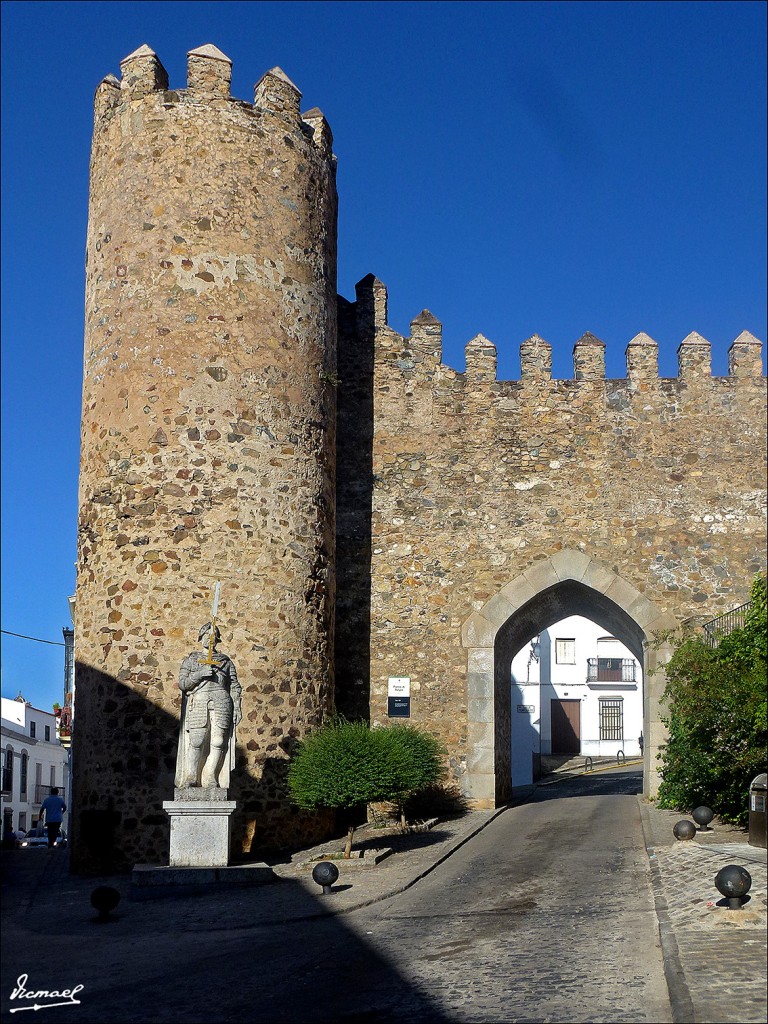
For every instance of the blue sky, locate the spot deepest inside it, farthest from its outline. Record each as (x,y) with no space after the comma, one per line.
(513,167)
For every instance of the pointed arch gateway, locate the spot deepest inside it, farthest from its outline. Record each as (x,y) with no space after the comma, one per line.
(568,582)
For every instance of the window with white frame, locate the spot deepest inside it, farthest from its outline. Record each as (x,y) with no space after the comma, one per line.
(23,775)
(33,729)
(565,650)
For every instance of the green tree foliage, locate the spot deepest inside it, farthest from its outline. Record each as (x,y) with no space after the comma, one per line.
(347,764)
(716,716)
(420,759)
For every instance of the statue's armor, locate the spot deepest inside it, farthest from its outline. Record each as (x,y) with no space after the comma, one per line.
(213,697)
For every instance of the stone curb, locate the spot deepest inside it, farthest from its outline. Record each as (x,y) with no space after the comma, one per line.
(411,880)
(679,993)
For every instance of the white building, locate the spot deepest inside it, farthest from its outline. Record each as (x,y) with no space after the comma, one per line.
(34,761)
(575,690)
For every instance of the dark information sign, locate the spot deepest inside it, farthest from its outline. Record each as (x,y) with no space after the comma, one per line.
(399,707)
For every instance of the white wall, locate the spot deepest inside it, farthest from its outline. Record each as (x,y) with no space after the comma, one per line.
(535,683)
(46,760)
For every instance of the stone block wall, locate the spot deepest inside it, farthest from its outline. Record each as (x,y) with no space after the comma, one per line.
(475,481)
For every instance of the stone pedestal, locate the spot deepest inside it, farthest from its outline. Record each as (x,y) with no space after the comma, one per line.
(200,827)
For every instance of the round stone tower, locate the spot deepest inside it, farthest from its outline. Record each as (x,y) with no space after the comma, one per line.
(207,441)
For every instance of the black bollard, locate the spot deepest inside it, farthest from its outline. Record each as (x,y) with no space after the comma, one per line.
(104,899)
(734,882)
(325,873)
(684,830)
(702,816)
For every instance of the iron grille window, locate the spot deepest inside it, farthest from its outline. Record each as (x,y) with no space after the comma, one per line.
(23,777)
(611,718)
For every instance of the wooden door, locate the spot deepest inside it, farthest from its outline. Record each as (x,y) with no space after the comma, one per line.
(566,726)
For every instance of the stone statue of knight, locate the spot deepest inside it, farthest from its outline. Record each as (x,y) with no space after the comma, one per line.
(210,712)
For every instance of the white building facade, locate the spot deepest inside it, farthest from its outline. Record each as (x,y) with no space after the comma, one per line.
(575,690)
(33,762)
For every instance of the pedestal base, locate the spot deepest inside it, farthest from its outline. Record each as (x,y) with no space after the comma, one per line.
(155,881)
(200,827)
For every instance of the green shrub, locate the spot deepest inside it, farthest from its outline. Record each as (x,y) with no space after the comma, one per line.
(348,764)
(419,757)
(716,716)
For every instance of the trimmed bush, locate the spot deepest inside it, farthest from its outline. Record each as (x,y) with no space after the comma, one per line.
(348,764)
(419,757)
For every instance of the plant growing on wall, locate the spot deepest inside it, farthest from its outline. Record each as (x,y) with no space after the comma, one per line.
(716,715)
(348,764)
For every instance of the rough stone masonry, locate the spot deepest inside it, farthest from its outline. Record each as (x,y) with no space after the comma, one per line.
(429,530)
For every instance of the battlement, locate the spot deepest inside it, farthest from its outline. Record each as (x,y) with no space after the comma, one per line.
(421,351)
(209,81)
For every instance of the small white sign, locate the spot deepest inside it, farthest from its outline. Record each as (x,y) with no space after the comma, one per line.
(399,686)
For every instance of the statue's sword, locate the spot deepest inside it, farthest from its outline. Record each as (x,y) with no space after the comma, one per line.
(212,638)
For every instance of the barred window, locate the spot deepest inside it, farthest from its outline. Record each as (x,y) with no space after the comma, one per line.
(611,718)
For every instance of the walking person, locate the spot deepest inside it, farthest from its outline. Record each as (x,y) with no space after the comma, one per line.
(53,808)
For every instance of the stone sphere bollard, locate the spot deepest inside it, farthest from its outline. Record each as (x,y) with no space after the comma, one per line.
(684,830)
(702,816)
(325,873)
(734,882)
(104,899)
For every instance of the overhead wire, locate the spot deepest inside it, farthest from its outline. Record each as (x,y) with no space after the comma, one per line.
(55,643)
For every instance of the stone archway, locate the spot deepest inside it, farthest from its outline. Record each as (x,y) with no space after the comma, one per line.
(568,582)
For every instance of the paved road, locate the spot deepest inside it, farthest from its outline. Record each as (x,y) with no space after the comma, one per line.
(546,915)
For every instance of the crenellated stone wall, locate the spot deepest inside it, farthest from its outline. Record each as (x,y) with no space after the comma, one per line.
(476,481)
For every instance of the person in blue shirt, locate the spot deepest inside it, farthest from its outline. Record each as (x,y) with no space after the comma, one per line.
(52,808)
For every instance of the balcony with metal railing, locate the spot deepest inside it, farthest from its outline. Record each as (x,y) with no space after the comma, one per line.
(611,670)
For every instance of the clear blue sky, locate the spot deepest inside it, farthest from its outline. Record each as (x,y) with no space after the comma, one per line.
(513,167)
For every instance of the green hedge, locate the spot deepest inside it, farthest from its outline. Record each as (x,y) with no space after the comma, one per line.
(347,764)
(716,715)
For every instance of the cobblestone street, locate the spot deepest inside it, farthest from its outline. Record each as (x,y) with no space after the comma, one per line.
(575,906)
(721,953)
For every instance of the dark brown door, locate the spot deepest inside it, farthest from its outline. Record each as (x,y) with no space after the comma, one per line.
(566,726)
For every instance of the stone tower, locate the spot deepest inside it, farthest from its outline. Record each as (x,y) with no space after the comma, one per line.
(207,439)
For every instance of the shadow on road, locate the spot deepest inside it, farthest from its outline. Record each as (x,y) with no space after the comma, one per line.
(621,782)
(263,954)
